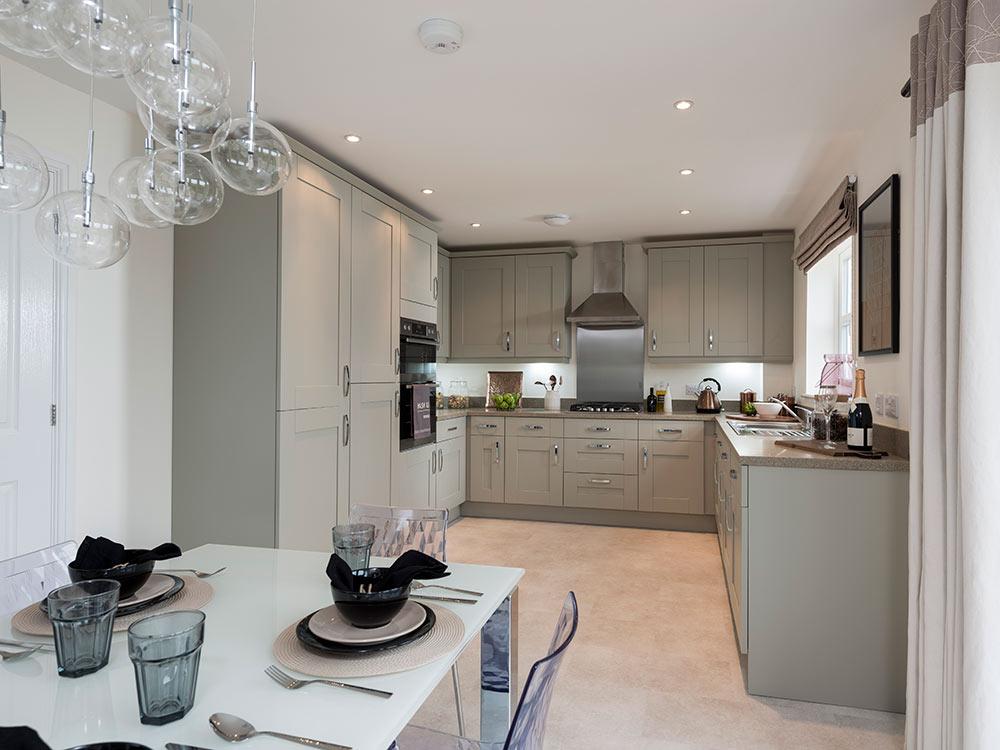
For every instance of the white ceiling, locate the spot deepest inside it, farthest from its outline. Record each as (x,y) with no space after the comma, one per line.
(566,106)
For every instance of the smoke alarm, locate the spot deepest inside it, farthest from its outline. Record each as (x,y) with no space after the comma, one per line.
(556,220)
(440,35)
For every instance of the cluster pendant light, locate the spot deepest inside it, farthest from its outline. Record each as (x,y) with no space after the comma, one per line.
(23,30)
(24,175)
(127,183)
(92,35)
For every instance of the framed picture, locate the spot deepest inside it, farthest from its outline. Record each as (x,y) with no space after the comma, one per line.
(878,271)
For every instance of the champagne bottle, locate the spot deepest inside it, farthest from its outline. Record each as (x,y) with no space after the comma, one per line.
(651,402)
(859,419)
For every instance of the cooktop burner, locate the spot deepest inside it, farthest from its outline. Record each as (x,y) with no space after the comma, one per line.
(614,406)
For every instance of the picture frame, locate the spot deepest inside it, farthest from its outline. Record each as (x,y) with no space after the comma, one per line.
(878,271)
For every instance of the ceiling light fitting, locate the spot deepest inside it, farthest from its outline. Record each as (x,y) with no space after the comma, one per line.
(557,220)
(427,191)
(687,172)
(440,36)
(683,104)
(352,138)
(685,211)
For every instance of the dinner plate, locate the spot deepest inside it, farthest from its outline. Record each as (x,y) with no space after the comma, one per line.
(159,587)
(321,646)
(329,625)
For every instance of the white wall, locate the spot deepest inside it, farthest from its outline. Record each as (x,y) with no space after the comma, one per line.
(734,376)
(121,329)
(883,148)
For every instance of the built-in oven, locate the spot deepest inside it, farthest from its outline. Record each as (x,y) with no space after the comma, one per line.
(418,342)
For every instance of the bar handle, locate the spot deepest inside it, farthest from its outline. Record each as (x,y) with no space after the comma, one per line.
(670,430)
(534,427)
(654,341)
(498,451)
(486,426)
(645,457)
(347,429)
(397,403)
(599,428)
(601,446)
(347,381)
(396,359)
(507,341)
(599,481)
(555,453)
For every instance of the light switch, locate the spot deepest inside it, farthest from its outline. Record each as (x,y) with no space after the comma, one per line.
(891,406)
(879,404)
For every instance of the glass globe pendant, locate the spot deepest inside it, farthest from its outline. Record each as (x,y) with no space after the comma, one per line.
(24,32)
(24,175)
(174,67)
(202,132)
(255,157)
(11,8)
(181,186)
(92,34)
(81,228)
(125,189)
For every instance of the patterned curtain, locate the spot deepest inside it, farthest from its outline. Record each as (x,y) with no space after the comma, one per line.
(953,680)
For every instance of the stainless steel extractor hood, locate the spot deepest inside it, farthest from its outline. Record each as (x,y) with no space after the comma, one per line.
(608,305)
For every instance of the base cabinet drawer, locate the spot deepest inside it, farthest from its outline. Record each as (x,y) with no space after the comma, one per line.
(449,429)
(675,430)
(533,474)
(485,474)
(486,426)
(671,477)
(601,456)
(534,427)
(619,429)
(600,491)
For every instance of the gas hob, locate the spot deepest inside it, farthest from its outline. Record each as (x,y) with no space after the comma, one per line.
(618,407)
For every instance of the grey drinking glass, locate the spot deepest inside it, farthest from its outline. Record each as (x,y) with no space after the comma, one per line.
(165,650)
(353,543)
(82,615)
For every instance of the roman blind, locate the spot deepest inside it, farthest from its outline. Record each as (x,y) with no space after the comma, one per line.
(837,220)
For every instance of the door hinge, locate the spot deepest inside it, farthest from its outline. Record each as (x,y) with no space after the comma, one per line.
(52,415)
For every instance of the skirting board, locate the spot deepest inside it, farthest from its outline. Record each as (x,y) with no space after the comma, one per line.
(628,518)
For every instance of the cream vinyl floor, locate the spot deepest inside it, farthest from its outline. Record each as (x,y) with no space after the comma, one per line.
(655,662)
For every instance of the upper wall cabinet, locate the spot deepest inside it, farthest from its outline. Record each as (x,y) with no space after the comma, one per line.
(419,282)
(375,279)
(721,299)
(444,307)
(510,306)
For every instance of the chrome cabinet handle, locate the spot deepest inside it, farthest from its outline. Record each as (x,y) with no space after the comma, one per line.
(534,427)
(601,446)
(397,403)
(434,456)
(498,451)
(555,453)
(396,356)
(440,459)
(435,287)
(486,426)
(732,473)
(347,381)
(557,341)
(452,429)
(599,429)
(347,429)
(654,341)
(670,429)
(711,340)
(599,481)
(645,457)
(725,456)
(507,344)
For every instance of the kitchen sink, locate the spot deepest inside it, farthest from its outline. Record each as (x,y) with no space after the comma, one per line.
(775,431)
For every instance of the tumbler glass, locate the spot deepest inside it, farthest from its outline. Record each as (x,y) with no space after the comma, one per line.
(353,543)
(82,615)
(165,650)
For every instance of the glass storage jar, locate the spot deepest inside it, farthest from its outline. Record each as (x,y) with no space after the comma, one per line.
(458,394)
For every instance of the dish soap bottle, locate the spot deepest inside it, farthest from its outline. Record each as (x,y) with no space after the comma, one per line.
(668,401)
(651,402)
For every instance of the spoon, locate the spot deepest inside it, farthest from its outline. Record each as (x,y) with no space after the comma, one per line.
(234,729)
(14,655)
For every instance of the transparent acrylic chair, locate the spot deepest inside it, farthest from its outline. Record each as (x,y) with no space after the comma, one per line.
(527,730)
(28,578)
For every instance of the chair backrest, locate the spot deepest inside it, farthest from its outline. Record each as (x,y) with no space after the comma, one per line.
(527,730)
(28,578)
(400,529)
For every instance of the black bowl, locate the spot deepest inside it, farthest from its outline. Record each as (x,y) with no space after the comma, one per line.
(370,610)
(130,576)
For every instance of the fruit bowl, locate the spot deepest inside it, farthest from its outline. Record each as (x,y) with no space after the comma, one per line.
(506,401)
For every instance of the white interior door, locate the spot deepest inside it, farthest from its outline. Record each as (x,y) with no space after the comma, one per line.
(30,291)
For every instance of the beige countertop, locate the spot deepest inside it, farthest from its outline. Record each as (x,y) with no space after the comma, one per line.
(762,451)
(565,414)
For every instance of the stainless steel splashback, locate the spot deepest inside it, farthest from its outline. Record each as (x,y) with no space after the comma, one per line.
(609,363)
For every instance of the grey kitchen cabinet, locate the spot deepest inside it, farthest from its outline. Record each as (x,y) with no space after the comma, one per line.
(444,308)
(675,321)
(482,307)
(414,477)
(374,442)
(375,280)
(600,491)
(486,468)
(533,473)
(734,300)
(600,455)
(451,468)
(541,304)
(671,476)
(419,280)
(779,278)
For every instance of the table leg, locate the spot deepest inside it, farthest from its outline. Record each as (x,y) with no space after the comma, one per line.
(498,664)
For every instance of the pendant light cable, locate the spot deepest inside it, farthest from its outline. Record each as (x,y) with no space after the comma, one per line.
(3,124)
(87,178)
(252,102)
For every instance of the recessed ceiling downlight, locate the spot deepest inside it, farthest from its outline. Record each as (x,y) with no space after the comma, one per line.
(685,212)
(475,225)
(352,138)
(687,172)
(683,104)
(556,220)
(440,36)
(427,191)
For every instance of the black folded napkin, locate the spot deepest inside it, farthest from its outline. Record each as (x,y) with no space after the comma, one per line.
(408,566)
(95,554)
(21,738)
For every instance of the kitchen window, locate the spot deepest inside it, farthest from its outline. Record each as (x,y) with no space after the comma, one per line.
(829,309)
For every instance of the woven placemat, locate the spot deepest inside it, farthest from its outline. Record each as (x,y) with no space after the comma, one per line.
(446,634)
(195,595)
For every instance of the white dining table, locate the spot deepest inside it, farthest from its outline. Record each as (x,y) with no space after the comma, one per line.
(260,593)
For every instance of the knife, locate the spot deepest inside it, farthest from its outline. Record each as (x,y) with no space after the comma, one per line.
(28,644)
(175,746)
(454,599)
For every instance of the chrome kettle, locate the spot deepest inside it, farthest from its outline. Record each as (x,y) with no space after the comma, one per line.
(708,400)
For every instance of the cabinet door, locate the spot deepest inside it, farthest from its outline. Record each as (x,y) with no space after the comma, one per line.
(486,469)
(671,477)
(315,272)
(419,281)
(375,269)
(374,441)
(414,475)
(734,300)
(444,308)
(541,305)
(451,473)
(482,307)
(676,320)
(534,473)
(779,306)
(312,477)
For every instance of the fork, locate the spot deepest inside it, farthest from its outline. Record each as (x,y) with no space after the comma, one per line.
(291,683)
(13,655)
(198,573)
(420,585)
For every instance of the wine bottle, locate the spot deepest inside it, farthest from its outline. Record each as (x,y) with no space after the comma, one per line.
(651,402)
(859,419)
